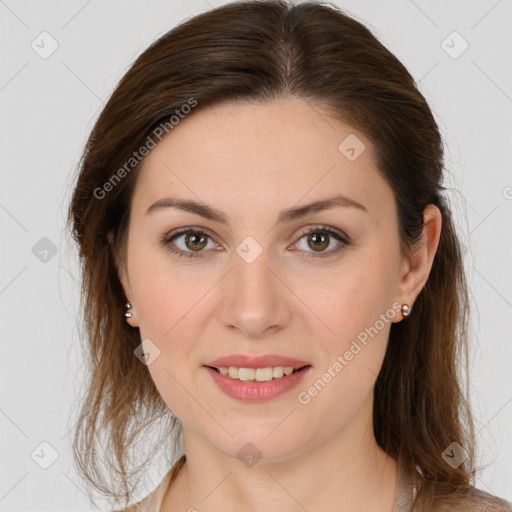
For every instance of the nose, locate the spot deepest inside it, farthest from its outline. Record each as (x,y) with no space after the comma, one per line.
(255,300)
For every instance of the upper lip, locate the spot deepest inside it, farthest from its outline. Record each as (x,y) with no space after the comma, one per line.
(243,361)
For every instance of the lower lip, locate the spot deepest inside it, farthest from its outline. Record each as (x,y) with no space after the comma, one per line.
(254,391)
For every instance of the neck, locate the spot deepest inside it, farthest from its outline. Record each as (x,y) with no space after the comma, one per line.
(343,474)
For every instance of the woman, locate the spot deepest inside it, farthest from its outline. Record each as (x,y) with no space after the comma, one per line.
(271,273)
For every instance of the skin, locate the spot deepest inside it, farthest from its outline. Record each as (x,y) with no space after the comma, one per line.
(243,158)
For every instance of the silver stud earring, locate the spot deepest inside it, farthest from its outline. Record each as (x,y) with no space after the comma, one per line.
(405,310)
(128,314)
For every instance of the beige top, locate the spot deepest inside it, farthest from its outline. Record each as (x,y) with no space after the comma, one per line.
(405,493)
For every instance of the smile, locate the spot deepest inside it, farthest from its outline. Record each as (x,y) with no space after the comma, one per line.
(258,374)
(256,384)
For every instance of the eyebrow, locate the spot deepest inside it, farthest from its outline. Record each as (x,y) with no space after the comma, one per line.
(288,215)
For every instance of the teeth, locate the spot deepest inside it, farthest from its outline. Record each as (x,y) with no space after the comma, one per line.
(246,373)
(277,371)
(258,374)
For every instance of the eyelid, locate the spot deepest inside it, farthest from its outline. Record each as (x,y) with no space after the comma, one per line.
(325,228)
(343,239)
(168,238)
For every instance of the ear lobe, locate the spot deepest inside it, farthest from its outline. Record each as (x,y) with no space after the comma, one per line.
(419,262)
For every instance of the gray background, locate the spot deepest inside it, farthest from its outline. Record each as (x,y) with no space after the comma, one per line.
(48,106)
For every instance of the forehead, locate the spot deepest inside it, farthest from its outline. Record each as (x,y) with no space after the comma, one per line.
(280,151)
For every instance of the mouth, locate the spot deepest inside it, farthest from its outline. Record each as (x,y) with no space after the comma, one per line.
(265,374)
(256,384)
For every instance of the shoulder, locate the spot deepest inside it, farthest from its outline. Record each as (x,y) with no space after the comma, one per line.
(148,504)
(477,500)
(153,501)
(131,508)
(144,505)
(491,503)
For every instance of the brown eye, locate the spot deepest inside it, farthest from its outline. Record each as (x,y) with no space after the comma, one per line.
(188,242)
(319,238)
(192,242)
(318,241)
(195,241)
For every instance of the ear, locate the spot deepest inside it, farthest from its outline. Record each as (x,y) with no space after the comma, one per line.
(122,273)
(416,267)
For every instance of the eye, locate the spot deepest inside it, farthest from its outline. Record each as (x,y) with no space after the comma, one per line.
(319,238)
(195,240)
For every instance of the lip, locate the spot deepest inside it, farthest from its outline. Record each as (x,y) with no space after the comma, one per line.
(243,361)
(254,391)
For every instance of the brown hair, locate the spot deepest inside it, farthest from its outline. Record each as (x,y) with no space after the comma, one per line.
(261,51)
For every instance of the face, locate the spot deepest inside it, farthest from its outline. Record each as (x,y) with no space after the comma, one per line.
(320,287)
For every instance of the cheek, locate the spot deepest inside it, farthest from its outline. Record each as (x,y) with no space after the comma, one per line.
(358,315)
(170,312)
(164,292)
(349,300)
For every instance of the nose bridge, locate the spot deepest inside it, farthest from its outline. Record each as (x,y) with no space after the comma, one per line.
(254,300)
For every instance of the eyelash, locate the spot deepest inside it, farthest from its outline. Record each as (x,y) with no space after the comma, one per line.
(345,241)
